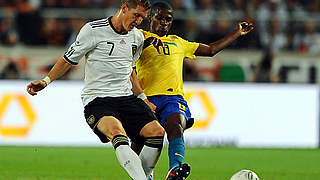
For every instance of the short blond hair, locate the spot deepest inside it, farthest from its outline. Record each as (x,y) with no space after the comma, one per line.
(134,3)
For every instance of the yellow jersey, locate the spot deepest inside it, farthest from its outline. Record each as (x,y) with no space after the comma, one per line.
(162,74)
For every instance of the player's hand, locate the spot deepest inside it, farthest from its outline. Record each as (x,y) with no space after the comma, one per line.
(157,43)
(245,27)
(151,105)
(36,86)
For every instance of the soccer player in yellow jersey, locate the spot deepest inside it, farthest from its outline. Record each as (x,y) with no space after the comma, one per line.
(160,75)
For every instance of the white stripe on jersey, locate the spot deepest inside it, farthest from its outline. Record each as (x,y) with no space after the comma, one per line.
(109,59)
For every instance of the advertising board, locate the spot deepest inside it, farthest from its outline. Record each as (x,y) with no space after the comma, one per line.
(242,115)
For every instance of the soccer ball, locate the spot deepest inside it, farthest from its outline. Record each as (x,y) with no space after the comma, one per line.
(245,175)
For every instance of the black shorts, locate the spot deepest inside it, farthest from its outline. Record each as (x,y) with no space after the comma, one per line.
(133,113)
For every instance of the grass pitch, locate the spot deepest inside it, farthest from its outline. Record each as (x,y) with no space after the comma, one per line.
(99,163)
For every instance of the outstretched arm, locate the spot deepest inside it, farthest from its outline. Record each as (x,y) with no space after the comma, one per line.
(243,28)
(61,67)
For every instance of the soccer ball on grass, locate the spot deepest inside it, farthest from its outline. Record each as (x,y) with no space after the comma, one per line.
(245,175)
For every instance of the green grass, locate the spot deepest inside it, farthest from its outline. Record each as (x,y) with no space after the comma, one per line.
(80,163)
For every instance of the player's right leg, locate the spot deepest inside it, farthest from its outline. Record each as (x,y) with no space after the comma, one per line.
(129,160)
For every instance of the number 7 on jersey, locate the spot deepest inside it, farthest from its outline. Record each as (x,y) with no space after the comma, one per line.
(111,47)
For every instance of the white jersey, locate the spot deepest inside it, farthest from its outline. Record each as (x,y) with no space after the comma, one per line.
(110,57)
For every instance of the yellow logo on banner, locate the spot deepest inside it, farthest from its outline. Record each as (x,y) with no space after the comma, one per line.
(27,110)
(201,123)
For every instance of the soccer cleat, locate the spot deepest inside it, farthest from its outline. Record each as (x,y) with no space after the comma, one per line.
(179,173)
(151,176)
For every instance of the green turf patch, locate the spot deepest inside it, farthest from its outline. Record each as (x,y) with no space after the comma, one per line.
(99,163)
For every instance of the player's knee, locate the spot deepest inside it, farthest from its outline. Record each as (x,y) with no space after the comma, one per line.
(156,130)
(159,131)
(173,125)
(153,129)
(173,128)
(110,127)
(176,119)
(116,132)
(110,133)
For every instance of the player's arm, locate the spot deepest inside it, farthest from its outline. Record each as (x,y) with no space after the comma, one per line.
(85,42)
(136,88)
(138,91)
(243,28)
(61,67)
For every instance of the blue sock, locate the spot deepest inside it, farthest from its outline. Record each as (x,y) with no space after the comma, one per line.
(176,152)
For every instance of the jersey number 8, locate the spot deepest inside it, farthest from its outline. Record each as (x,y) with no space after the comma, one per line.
(166,50)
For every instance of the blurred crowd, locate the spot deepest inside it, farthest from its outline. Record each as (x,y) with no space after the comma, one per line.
(281,25)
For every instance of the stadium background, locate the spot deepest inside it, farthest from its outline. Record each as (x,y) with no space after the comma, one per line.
(256,102)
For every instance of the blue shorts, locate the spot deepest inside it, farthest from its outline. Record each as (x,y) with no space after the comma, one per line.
(167,105)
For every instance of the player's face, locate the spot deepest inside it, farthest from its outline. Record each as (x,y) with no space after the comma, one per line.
(161,21)
(134,17)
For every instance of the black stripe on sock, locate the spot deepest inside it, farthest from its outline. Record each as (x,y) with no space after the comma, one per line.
(155,142)
(119,140)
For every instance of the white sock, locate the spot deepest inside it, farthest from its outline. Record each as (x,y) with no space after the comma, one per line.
(131,162)
(149,157)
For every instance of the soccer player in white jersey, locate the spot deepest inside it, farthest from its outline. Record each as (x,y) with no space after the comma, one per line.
(113,101)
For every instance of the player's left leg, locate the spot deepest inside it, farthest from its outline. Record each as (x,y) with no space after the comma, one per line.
(174,126)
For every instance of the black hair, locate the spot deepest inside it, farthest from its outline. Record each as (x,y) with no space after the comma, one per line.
(160,5)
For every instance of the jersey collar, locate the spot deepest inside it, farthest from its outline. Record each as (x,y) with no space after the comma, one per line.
(114,29)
